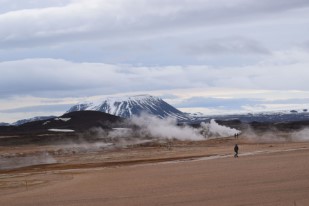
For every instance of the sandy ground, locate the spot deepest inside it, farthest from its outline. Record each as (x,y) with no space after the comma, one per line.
(191,173)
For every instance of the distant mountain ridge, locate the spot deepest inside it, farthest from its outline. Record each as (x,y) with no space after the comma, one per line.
(23,121)
(39,118)
(130,106)
(271,117)
(4,124)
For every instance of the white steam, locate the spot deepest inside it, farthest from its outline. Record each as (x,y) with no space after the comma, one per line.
(151,126)
(16,161)
(83,147)
(156,128)
(265,136)
(302,135)
(277,136)
(144,130)
(213,129)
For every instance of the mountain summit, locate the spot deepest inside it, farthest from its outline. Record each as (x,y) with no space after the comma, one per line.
(130,106)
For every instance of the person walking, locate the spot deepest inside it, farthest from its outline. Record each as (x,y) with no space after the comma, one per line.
(236,150)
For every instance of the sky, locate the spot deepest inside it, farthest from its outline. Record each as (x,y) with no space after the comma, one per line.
(214,57)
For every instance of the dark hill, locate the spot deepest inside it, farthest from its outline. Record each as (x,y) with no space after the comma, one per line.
(78,121)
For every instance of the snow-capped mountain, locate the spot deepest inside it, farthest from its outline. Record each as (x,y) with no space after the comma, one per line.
(130,106)
(272,116)
(33,119)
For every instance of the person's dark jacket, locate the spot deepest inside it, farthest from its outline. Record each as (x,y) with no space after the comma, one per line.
(236,148)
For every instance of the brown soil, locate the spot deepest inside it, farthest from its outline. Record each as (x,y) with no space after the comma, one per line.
(188,173)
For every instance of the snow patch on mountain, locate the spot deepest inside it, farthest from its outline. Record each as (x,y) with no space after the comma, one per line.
(61,130)
(39,118)
(130,106)
(62,119)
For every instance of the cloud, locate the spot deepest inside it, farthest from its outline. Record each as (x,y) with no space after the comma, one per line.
(60,78)
(223,103)
(290,101)
(13,5)
(121,19)
(141,32)
(39,108)
(226,46)
(208,105)
(55,77)
(57,49)
(305,45)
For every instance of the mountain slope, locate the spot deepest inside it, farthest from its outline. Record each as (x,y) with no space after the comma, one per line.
(2,124)
(39,118)
(132,106)
(77,121)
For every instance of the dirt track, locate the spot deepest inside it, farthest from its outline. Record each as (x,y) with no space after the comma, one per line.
(274,178)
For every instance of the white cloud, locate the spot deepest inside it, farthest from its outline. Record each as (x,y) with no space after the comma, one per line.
(101,19)
(15,5)
(230,45)
(76,48)
(45,77)
(152,32)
